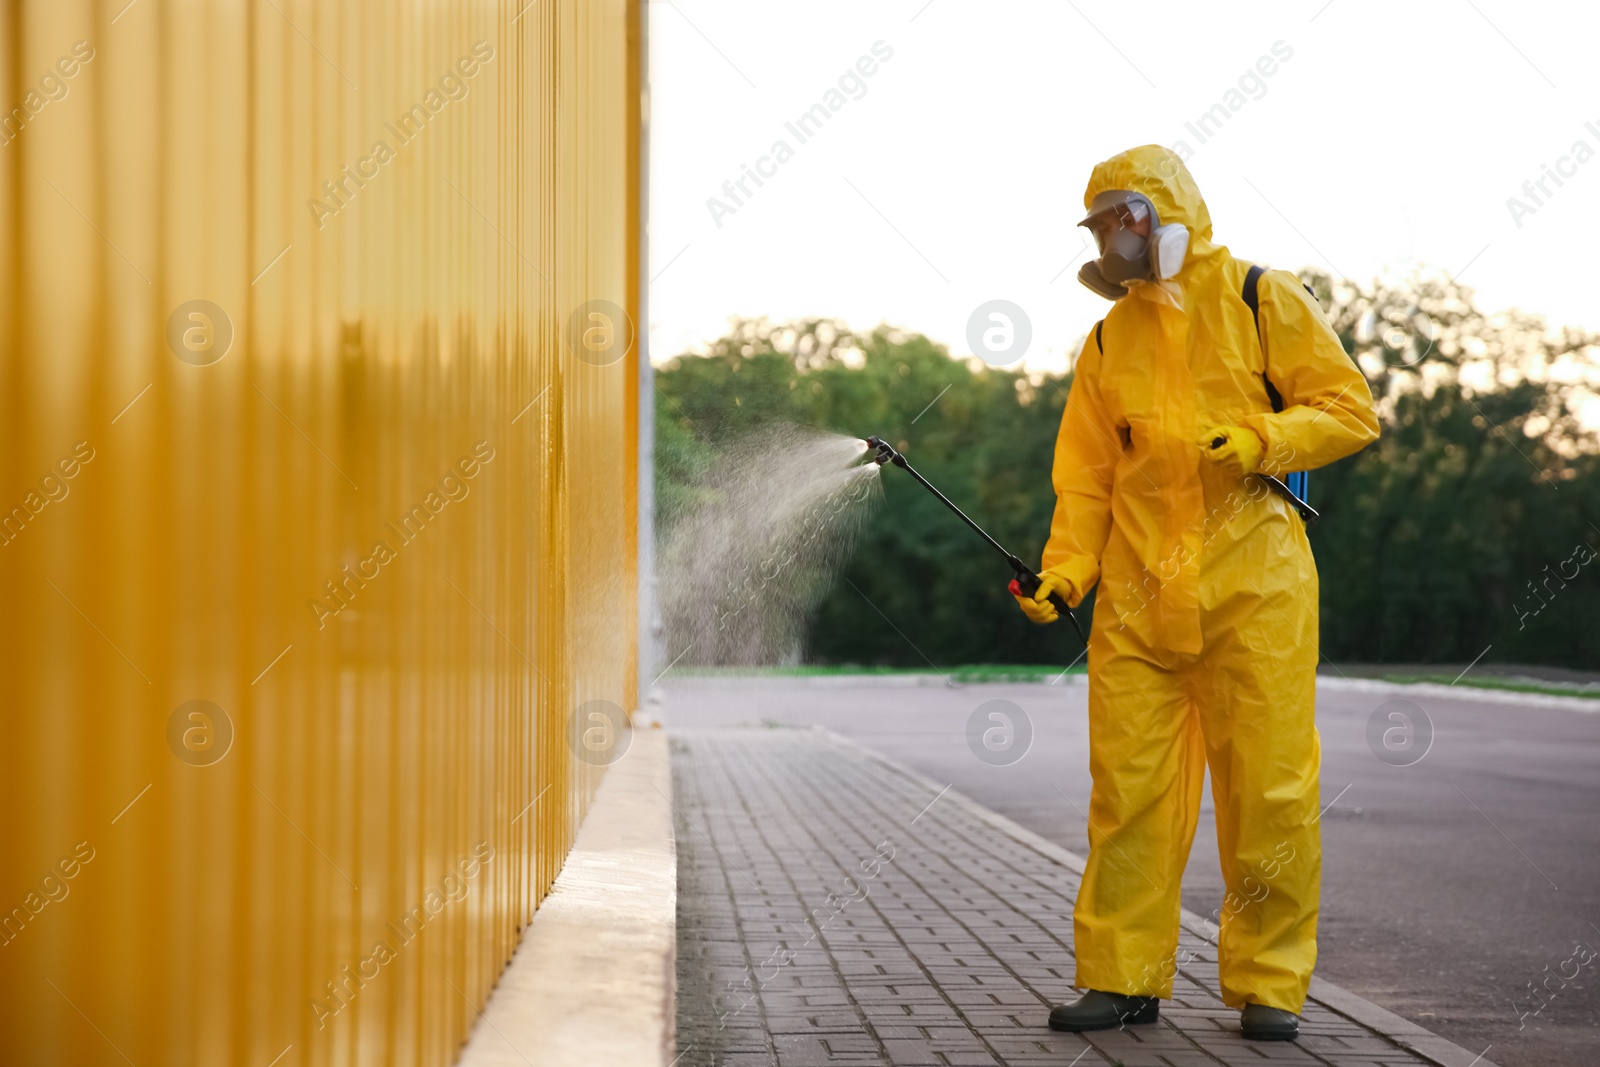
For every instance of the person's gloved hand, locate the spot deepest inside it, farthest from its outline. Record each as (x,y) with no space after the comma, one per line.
(1238,449)
(1038,608)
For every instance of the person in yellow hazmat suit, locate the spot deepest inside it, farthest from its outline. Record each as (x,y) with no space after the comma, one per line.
(1204,645)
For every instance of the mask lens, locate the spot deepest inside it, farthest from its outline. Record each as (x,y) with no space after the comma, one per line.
(1116,217)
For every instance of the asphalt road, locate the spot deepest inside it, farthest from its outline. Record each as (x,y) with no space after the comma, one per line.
(1453,887)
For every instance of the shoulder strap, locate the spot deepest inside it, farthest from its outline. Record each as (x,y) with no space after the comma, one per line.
(1252,300)
(1099,337)
(1299,483)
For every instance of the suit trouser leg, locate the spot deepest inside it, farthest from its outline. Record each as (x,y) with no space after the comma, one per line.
(1147,761)
(1256,691)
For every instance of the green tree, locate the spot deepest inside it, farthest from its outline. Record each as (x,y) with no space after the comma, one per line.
(1463,527)
(1482,486)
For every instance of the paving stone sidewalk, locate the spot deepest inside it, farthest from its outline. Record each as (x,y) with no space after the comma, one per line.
(835,908)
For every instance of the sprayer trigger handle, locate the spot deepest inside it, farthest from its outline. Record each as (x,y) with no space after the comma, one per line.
(1026,583)
(1022,586)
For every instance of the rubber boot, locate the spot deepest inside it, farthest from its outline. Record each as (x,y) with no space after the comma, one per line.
(1103,1011)
(1261,1023)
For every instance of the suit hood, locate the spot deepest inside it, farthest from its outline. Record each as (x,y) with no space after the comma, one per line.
(1159,174)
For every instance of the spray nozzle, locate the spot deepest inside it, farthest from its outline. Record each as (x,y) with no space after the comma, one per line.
(886,452)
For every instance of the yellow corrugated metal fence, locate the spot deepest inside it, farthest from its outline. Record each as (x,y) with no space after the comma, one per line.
(317,510)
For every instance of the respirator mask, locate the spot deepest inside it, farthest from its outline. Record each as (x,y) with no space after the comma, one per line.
(1134,247)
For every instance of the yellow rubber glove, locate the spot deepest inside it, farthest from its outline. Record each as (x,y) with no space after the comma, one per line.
(1238,449)
(1038,608)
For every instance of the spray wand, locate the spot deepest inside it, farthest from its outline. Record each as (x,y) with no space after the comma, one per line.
(1026,583)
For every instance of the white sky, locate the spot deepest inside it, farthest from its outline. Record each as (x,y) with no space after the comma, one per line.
(1391,139)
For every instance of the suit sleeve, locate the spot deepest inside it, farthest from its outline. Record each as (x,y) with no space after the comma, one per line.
(1087,450)
(1328,411)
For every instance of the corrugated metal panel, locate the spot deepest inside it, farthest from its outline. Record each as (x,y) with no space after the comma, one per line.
(291,427)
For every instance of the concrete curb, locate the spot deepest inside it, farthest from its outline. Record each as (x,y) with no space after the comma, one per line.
(593,980)
(1459,692)
(1402,1032)
(854,681)
(1332,683)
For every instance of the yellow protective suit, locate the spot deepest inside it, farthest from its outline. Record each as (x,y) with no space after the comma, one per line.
(1204,649)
